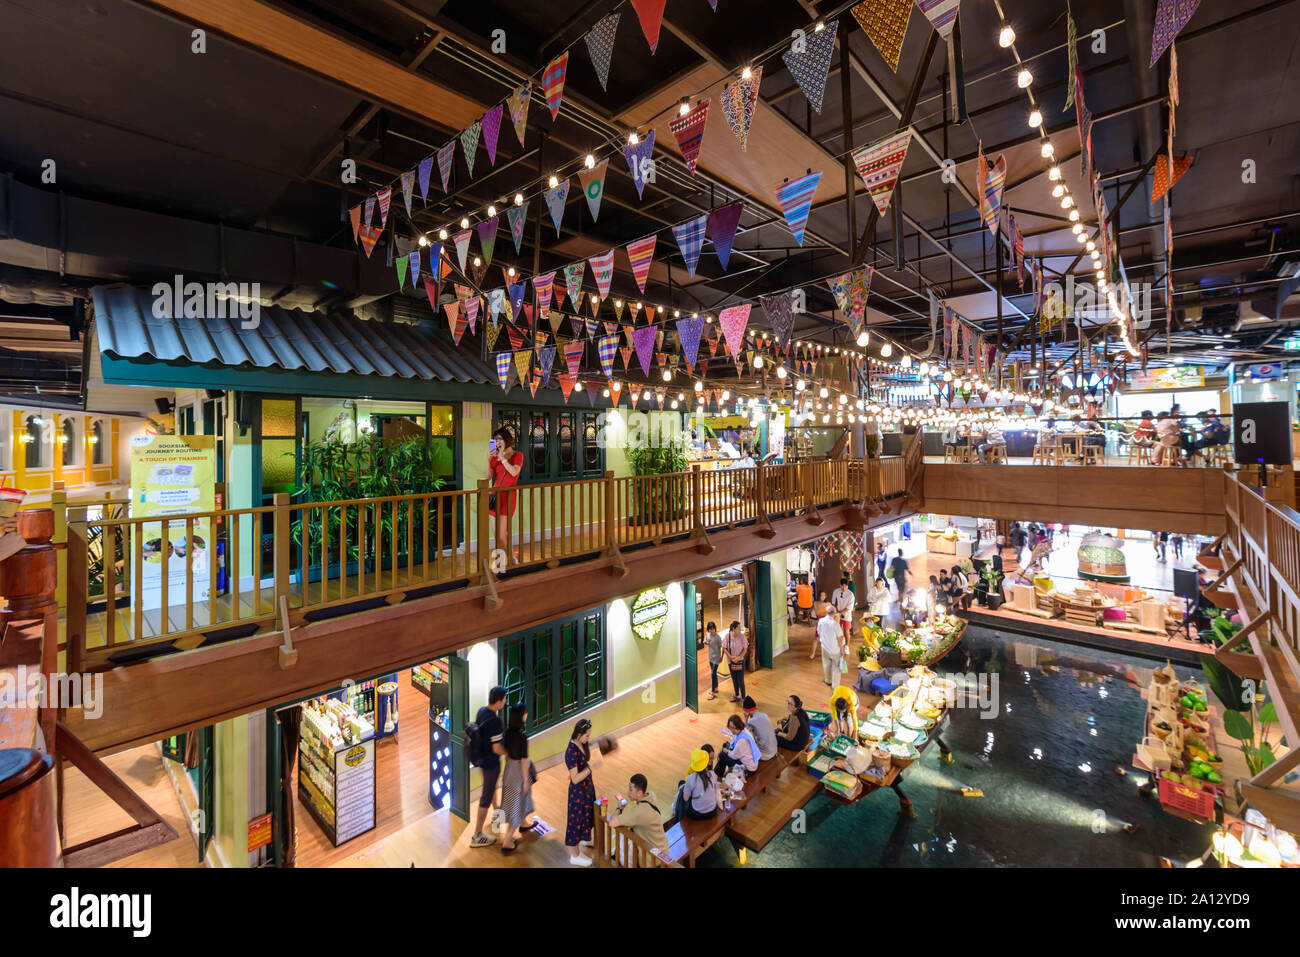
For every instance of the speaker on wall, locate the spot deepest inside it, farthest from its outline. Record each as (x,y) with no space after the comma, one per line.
(1261,433)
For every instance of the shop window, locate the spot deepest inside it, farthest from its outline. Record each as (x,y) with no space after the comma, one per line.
(68,439)
(33,442)
(557,444)
(99,448)
(555,670)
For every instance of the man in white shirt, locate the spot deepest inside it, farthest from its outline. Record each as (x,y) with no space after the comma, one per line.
(844,601)
(831,638)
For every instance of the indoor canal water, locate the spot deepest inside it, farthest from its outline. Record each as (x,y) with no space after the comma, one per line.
(1066,718)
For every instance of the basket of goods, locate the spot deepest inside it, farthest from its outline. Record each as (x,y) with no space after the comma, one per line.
(822,718)
(1161,727)
(1184,793)
(840,746)
(820,765)
(1162,694)
(901,753)
(1205,756)
(1151,752)
(880,757)
(915,721)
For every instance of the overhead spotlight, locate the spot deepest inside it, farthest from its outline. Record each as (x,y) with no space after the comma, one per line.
(863,337)
(668,376)
(553,181)
(1006,36)
(424,240)
(464,222)
(1035,119)
(1024,78)
(519,199)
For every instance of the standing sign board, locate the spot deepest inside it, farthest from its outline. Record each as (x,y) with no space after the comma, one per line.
(172,476)
(1261,433)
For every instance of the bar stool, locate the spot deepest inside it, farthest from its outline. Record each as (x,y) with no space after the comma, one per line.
(1220,455)
(1045,454)
(1141,453)
(950,454)
(1094,455)
(996,455)
(1068,446)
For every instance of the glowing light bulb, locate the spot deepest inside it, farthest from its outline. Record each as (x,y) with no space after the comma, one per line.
(424,240)
(590,161)
(699,386)
(1006,36)
(1058,191)
(477,262)
(1035,119)
(510,271)
(1024,78)
(668,376)
(684,108)
(863,337)
(1054,174)
(633,139)
(553,181)
(442,234)
(464,222)
(1047,150)
(800,385)
(492,211)
(746,73)
(758,362)
(780,372)
(886,351)
(519,199)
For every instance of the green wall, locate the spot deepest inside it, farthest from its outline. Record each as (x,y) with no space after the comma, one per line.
(780,609)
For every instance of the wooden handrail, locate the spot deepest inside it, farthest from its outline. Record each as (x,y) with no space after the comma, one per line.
(619,847)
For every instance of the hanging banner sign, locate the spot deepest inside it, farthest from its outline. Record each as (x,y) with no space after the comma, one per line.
(1173,377)
(173,476)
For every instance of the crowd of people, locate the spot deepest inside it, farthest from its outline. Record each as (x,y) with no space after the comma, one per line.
(1172,439)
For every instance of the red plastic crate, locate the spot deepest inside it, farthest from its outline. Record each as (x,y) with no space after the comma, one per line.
(1189,800)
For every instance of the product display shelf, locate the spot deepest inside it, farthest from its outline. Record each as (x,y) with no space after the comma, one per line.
(336,783)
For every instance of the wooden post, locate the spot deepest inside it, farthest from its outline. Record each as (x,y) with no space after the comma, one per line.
(77,588)
(281,539)
(609,518)
(483,550)
(59,505)
(697,499)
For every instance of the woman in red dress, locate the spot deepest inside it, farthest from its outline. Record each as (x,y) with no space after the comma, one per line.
(504,465)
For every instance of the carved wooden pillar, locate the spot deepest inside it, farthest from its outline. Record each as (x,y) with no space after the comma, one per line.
(29,835)
(28,581)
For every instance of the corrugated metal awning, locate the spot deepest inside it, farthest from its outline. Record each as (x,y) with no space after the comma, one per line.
(293,340)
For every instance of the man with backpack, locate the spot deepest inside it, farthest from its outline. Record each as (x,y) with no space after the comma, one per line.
(484,740)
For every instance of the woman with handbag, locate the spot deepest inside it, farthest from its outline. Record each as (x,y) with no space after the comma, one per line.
(582,794)
(504,464)
(516,780)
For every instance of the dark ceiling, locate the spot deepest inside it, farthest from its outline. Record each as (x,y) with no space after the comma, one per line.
(111,91)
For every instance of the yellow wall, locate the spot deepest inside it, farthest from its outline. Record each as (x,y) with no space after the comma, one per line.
(82,475)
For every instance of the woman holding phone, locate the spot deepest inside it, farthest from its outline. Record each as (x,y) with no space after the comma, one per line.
(504,463)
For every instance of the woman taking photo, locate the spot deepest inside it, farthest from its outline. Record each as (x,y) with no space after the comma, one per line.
(516,780)
(582,794)
(504,464)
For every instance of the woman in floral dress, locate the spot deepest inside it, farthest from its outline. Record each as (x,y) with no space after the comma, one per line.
(582,793)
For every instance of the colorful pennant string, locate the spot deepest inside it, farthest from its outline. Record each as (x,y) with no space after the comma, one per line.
(722,229)
(650,14)
(517,104)
(640,161)
(469,143)
(639,254)
(491,124)
(885,24)
(880,164)
(553,82)
(689,132)
(733,320)
(809,61)
(517,217)
(795,198)
(1171,17)
(593,186)
(602,268)
(555,199)
(600,46)
(690,240)
(738,101)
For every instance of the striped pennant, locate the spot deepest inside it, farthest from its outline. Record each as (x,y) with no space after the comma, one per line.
(471,311)
(625,353)
(722,229)
(385,196)
(796,202)
(469,143)
(517,217)
(573,274)
(491,124)
(553,82)
(733,320)
(602,268)
(425,169)
(593,186)
(573,356)
(461,240)
(455,319)
(503,370)
(592,327)
(810,65)
(517,104)
(639,254)
(690,240)
(993,194)
(445,157)
(738,101)
(650,13)
(689,132)
(605,349)
(879,166)
(413,257)
(555,199)
(942,15)
(542,286)
(688,333)
(369,236)
(370,210)
(408,189)
(487,237)
(639,161)
(600,46)
(567,382)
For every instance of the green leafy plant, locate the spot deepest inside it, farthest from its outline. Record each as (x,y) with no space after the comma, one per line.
(1248,717)
(663,500)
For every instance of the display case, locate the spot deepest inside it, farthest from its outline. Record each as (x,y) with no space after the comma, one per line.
(336,768)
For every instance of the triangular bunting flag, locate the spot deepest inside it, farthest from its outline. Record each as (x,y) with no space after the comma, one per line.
(573,356)
(600,46)
(688,333)
(517,216)
(546,358)
(722,229)
(553,82)
(425,169)
(496,301)
(650,13)
(690,239)
(625,353)
(606,348)
(639,254)
(354,214)
(523,363)
(942,15)
(573,273)
(592,327)
(517,103)
(639,160)
(385,196)
(567,382)
(811,61)
(713,347)
(503,370)
(593,186)
(516,291)
(469,143)
(445,156)
(461,240)
(431,290)
(369,236)
(796,202)
(401,265)
(993,195)
(1171,17)
(487,237)
(689,132)
(542,286)
(643,340)
(780,312)
(413,258)
(516,337)
(369,218)
(1163,183)
(738,101)
(454,320)
(879,166)
(593,390)
(408,189)
(491,124)
(555,199)
(471,311)
(733,321)
(885,24)
(602,268)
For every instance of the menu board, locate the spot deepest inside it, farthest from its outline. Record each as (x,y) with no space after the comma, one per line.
(354,790)
(173,476)
(1173,377)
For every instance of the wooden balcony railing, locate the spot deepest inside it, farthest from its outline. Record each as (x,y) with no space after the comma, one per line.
(619,847)
(325,558)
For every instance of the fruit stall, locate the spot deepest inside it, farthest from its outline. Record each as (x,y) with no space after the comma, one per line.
(912,644)
(1178,747)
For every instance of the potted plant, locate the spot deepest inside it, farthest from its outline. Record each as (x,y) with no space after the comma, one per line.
(658,501)
(1248,717)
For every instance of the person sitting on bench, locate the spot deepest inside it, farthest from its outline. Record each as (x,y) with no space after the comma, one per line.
(794,730)
(741,750)
(697,796)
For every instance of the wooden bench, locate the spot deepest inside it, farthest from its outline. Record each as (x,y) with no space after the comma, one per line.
(689,838)
(619,847)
